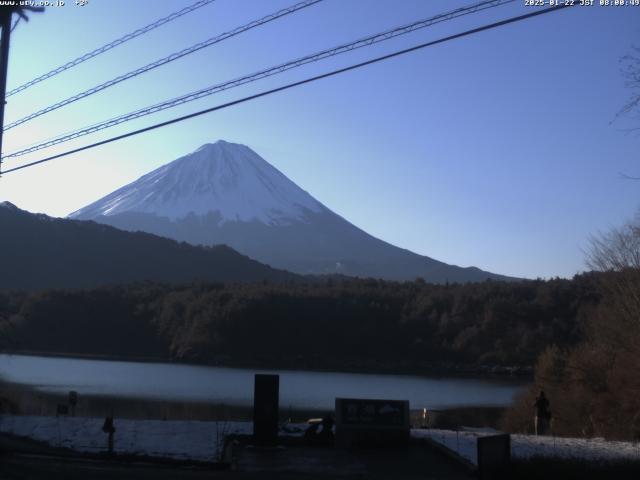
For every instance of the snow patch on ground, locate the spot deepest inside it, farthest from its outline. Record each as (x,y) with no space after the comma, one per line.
(464,443)
(204,441)
(184,440)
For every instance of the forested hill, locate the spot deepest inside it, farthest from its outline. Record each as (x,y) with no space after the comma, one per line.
(43,252)
(340,325)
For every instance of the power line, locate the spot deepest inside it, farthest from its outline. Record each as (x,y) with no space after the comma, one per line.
(5,25)
(110,45)
(363,42)
(163,61)
(295,84)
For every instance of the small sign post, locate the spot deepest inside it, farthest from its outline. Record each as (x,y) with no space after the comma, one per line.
(73,401)
(109,428)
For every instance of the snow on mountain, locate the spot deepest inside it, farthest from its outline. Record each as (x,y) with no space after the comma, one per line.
(222,177)
(225,193)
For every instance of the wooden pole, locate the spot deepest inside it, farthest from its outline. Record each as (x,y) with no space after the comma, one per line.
(5,17)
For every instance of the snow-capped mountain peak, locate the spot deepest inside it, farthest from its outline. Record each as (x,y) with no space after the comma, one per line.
(225,193)
(224,178)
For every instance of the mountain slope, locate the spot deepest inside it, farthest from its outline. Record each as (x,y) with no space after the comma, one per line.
(226,193)
(43,252)
(227,178)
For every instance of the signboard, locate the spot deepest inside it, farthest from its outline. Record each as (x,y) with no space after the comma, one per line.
(390,413)
(372,422)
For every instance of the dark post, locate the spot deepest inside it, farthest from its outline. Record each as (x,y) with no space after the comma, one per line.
(73,401)
(494,455)
(5,18)
(265,409)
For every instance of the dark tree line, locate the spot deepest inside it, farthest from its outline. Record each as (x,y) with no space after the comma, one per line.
(338,324)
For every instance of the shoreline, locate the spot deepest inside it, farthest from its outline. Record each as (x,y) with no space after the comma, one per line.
(20,399)
(448,369)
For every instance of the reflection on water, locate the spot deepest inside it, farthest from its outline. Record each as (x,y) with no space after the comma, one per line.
(234,386)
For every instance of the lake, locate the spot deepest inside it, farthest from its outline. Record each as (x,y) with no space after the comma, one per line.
(234,386)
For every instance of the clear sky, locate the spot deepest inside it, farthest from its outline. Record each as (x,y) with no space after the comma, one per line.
(496,150)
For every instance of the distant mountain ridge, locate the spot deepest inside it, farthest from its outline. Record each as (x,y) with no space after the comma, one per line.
(44,252)
(225,193)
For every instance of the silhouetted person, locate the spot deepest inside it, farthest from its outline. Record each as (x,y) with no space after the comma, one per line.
(327,429)
(311,433)
(543,414)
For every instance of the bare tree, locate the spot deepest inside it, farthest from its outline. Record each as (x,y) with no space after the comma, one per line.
(630,68)
(595,385)
(617,250)
(617,253)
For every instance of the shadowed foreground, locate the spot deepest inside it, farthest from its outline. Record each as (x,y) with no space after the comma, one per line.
(299,462)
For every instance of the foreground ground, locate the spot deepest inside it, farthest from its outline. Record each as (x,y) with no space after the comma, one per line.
(204,440)
(526,447)
(284,462)
(74,448)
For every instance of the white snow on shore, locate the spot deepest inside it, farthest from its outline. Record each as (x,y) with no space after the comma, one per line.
(204,441)
(186,440)
(464,443)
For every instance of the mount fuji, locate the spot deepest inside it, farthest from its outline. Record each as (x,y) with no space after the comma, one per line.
(225,193)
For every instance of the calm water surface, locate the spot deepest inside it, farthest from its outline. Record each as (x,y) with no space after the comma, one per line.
(234,386)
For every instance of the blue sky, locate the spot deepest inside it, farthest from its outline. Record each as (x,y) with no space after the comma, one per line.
(497,150)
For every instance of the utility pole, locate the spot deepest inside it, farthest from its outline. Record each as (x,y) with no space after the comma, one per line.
(5,23)
(5,18)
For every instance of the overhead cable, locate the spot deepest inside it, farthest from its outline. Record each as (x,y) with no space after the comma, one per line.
(189,97)
(163,61)
(490,26)
(110,45)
